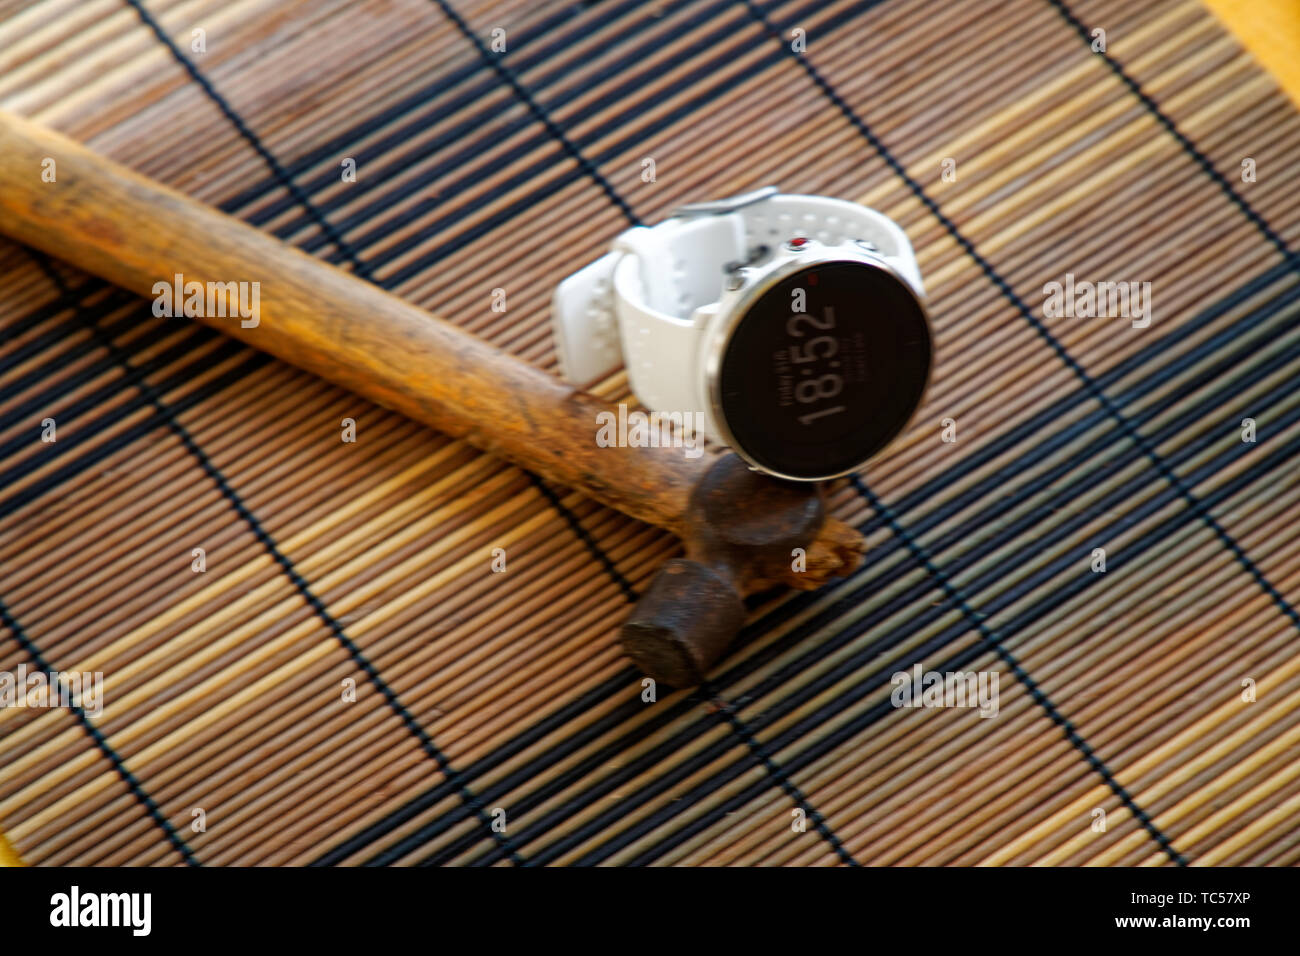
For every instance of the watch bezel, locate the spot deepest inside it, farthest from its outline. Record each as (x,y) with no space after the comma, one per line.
(732,313)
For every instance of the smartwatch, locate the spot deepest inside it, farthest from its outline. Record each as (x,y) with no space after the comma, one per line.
(793,327)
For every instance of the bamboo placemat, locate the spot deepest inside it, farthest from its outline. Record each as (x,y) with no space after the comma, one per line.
(225,736)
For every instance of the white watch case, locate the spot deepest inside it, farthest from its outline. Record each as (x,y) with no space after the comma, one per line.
(665,299)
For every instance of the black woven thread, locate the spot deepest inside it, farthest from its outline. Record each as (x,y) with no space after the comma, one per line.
(508,77)
(1172,129)
(178,379)
(250,137)
(788,786)
(268,543)
(1252,283)
(1044,333)
(299,583)
(845,697)
(1189,499)
(464,170)
(896,165)
(993,643)
(990,451)
(383,123)
(36,372)
(593,699)
(346,250)
(360,267)
(119,765)
(850,729)
(585,164)
(95,392)
(780,711)
(506,196)
(583,535)
(12,330)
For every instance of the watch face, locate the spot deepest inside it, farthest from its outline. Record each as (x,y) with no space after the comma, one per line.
(824,369)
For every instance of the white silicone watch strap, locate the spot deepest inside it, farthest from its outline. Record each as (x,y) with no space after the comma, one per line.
(648,299)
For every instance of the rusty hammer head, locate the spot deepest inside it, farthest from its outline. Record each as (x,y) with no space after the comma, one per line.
(741,530)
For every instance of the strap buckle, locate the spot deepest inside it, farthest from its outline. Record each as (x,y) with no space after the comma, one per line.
(720,207)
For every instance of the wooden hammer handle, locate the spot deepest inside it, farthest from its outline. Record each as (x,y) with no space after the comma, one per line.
(123,227)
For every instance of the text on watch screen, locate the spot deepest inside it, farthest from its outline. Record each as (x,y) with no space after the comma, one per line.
(825,369)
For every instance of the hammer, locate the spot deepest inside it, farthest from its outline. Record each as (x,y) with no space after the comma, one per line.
(740,529)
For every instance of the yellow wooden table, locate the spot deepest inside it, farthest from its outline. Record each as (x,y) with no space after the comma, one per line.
(1270,30)
(7,856)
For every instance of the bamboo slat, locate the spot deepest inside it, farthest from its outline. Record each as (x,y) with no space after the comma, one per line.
(368,565)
